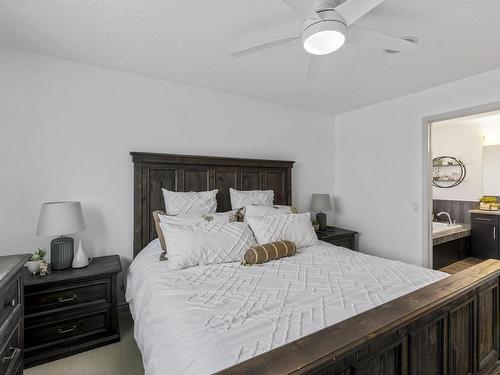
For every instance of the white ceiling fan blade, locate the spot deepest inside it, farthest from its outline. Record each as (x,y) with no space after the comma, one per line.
(302,8)
(353,10)
(263,47)
(370,38)
(314,66)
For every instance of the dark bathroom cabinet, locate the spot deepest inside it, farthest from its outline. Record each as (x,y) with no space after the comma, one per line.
(485,239)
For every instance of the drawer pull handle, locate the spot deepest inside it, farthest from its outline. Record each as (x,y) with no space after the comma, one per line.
(11,303)
(482,219)
(71,299)
(68,330)
(11,354)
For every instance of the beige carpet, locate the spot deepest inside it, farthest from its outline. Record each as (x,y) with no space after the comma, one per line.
(115,359)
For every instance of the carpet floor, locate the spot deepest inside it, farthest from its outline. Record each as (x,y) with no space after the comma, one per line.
(121,358)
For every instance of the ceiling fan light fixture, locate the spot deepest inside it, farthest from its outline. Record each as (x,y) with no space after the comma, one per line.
(324,42)
(324,37)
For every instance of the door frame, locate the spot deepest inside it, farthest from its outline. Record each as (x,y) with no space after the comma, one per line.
(427,121)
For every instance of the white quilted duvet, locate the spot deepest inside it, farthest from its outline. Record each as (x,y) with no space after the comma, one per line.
(203,319)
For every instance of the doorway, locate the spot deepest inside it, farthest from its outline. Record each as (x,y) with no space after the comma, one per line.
(461,168)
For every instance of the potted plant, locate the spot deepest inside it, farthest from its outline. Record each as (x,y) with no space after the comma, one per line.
(316,225)
(488,203)
(36,260)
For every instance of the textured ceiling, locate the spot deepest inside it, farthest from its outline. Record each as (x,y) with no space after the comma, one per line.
(189,41)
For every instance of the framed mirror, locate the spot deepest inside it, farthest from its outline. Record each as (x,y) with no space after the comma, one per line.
(447,172)
(491,170)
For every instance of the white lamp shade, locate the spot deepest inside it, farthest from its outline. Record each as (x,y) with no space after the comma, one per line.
(320,203)
(59,218)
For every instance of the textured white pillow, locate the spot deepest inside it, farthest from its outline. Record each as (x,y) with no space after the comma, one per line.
(241,198)
(201,244)
(182,203)
(215,217)
(287,227)
(252,210)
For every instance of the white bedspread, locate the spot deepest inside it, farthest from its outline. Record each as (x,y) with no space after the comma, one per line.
(203,319)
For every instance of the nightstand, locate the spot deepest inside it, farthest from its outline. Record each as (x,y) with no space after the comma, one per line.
(339,237)
(70,311)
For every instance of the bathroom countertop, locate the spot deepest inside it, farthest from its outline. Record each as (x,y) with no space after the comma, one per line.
(485,212)
(453,234)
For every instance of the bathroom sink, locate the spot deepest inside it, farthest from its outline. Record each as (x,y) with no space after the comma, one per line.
(444,227)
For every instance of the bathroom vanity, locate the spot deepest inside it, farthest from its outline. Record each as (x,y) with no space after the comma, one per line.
(451,243)
(485,239)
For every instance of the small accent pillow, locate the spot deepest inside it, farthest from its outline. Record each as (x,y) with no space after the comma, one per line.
(240,198)
(216,217)
(269,251)
(286,227)
(182,203)
(207,243)
(252,210)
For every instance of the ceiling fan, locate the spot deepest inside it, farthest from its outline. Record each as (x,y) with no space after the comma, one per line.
(329,25)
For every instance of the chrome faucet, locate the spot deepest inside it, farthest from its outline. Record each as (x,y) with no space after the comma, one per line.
(447,214)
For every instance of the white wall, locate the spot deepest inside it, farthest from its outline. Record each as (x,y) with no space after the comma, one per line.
(491,170)
(378,164)
(465,142)
(66,131)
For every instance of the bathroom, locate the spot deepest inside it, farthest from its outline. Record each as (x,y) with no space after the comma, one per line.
(466,188)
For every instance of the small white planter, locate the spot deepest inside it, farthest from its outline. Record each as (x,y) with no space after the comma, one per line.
(34,266)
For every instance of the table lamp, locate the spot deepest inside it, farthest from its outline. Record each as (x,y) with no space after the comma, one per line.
(320,203)
(60,219)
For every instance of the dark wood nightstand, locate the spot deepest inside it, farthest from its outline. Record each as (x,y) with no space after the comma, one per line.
(339,237)
(70,311)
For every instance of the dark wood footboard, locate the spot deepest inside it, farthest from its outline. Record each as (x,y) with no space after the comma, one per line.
(449,327)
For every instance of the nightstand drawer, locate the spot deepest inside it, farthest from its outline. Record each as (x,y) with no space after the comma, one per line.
(52,298)
(9,300)
(346,242)
(11,351)
(64,331)
(339,237)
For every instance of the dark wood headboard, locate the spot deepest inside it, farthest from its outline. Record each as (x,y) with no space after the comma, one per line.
(152,172)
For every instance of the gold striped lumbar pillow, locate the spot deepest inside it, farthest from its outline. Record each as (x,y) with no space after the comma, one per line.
(269,251)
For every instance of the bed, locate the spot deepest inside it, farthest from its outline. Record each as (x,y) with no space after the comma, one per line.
(326,310)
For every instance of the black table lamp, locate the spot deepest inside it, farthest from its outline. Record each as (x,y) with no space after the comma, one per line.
(320,203)
(58,219)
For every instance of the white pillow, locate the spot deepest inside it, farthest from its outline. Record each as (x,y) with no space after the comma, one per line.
(215,217)
(240,198)
(182,203)
(252,210)
(291,227)
(202,244)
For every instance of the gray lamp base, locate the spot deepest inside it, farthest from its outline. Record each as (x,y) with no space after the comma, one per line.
(61,253)
(321,217)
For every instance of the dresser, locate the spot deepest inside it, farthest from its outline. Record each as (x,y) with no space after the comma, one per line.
(11,313)
(71,311)
(339,237)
